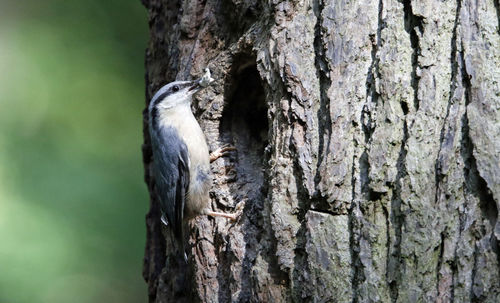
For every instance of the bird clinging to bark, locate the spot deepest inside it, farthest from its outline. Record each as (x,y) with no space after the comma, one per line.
(181,158)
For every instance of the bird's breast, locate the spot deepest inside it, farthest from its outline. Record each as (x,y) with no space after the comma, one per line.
(190,132)
(181,118)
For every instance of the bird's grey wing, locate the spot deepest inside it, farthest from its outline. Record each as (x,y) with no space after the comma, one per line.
(182,188)
(171,177)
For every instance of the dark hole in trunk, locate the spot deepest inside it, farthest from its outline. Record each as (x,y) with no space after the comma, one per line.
(244,125)
(244,120)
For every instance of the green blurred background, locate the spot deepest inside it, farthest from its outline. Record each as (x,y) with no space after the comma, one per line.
(72,197)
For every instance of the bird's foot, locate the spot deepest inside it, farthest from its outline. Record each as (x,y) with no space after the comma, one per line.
(234,216)
(221,152)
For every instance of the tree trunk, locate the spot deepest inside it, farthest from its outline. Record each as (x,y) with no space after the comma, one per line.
(368,147)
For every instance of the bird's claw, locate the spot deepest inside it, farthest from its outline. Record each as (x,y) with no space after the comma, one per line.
(232,216)
(221,152)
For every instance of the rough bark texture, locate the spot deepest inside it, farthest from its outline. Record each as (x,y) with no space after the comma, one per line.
(368,137)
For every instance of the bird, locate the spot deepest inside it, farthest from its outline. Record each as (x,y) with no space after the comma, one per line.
(181,158)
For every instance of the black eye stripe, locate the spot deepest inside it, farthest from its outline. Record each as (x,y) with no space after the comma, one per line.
(169,91)
(179,86)
(160,98)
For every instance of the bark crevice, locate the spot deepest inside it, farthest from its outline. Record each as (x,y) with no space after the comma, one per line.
(497,8)
(323,114)
(476,186)
(358,275)
(397,219)
(445,143)
(454,64)
(414,27)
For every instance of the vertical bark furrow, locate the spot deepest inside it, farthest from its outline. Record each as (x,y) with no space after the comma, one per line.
(323,114)
(470,191)
(485,244)
(357,273)
(343,160)
(296,102)
(373,76)
(497,8)
(439,264)
(397,220)
(480,33)
(445,142)
(414,27)
(445,170)
(429,32)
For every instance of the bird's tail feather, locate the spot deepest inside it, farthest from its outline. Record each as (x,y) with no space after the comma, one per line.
(180,245)
(181,249)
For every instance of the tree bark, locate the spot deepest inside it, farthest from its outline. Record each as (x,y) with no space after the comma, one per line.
(368,147)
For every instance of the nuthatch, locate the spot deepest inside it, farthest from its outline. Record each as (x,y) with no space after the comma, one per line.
(180,153)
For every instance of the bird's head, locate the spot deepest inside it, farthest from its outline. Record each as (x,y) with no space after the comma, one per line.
(179,92)
(175,94)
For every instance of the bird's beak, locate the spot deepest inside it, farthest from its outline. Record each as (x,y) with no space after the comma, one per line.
(195,86)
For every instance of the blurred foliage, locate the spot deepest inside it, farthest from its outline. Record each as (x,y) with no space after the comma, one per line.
(72,197)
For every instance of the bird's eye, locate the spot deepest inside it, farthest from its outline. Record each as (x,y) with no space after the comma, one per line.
(175,88)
